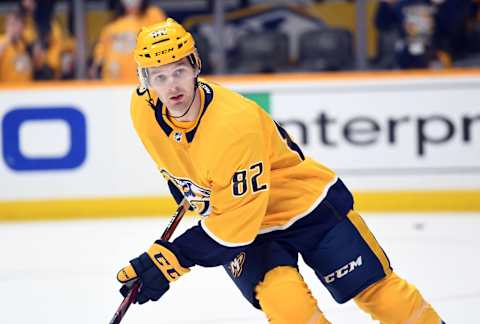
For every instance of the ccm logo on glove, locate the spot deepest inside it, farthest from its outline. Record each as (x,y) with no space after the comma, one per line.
(167,262)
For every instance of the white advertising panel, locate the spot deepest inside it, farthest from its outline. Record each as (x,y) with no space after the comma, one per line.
(72,143)
(421,134)
(383,134)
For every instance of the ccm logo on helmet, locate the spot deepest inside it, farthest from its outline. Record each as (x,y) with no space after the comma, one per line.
(166,51)
(341,272)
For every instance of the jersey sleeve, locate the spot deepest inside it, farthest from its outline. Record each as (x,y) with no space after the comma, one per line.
(137,105)
(240,181)
(195,247)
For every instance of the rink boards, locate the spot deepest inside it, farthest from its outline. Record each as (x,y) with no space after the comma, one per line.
(402,142)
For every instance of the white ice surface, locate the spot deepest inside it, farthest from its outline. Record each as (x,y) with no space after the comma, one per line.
(64,272)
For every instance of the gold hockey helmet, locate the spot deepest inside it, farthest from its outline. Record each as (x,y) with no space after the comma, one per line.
(163,43)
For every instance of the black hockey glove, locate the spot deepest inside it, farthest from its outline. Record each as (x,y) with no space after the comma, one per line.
(155,268)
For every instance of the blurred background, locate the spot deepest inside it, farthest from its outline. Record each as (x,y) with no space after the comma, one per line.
(385,92)
(63,40)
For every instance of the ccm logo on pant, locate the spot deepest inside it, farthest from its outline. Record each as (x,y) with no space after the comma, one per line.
(341,272)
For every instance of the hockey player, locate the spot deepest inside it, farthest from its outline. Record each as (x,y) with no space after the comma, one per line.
(262,201)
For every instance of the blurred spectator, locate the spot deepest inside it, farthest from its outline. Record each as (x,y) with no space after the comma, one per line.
(69,49)
(44,37)
(473,28)
(451,32)
(15,63)
(387,24)
(112,57)
(421,33)
(412,23)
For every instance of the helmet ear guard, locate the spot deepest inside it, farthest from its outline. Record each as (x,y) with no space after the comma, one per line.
(142,74)
(196,62)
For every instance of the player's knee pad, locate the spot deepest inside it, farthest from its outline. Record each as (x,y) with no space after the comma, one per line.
(275,294)
(393,300)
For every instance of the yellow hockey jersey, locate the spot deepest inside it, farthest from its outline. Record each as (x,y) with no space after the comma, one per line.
(116,44)
(238,168)
(15,63)
(55,42)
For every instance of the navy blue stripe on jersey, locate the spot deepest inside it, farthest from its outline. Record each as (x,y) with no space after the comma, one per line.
(159,117)
(208,98)
(291,144)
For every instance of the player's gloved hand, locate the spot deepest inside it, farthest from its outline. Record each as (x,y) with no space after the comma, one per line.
(156,268)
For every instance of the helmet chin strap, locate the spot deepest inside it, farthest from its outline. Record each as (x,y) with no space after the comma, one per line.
(189,106)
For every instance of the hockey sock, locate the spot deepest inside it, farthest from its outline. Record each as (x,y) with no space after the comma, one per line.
(275,296)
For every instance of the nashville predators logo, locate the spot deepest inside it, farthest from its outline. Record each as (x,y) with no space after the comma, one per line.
(236,265)
(198,197)
(159,32)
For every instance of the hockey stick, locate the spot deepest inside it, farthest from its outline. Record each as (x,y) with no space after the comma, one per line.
(132,294)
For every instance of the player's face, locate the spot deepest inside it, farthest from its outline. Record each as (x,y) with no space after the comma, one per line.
(174,84)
